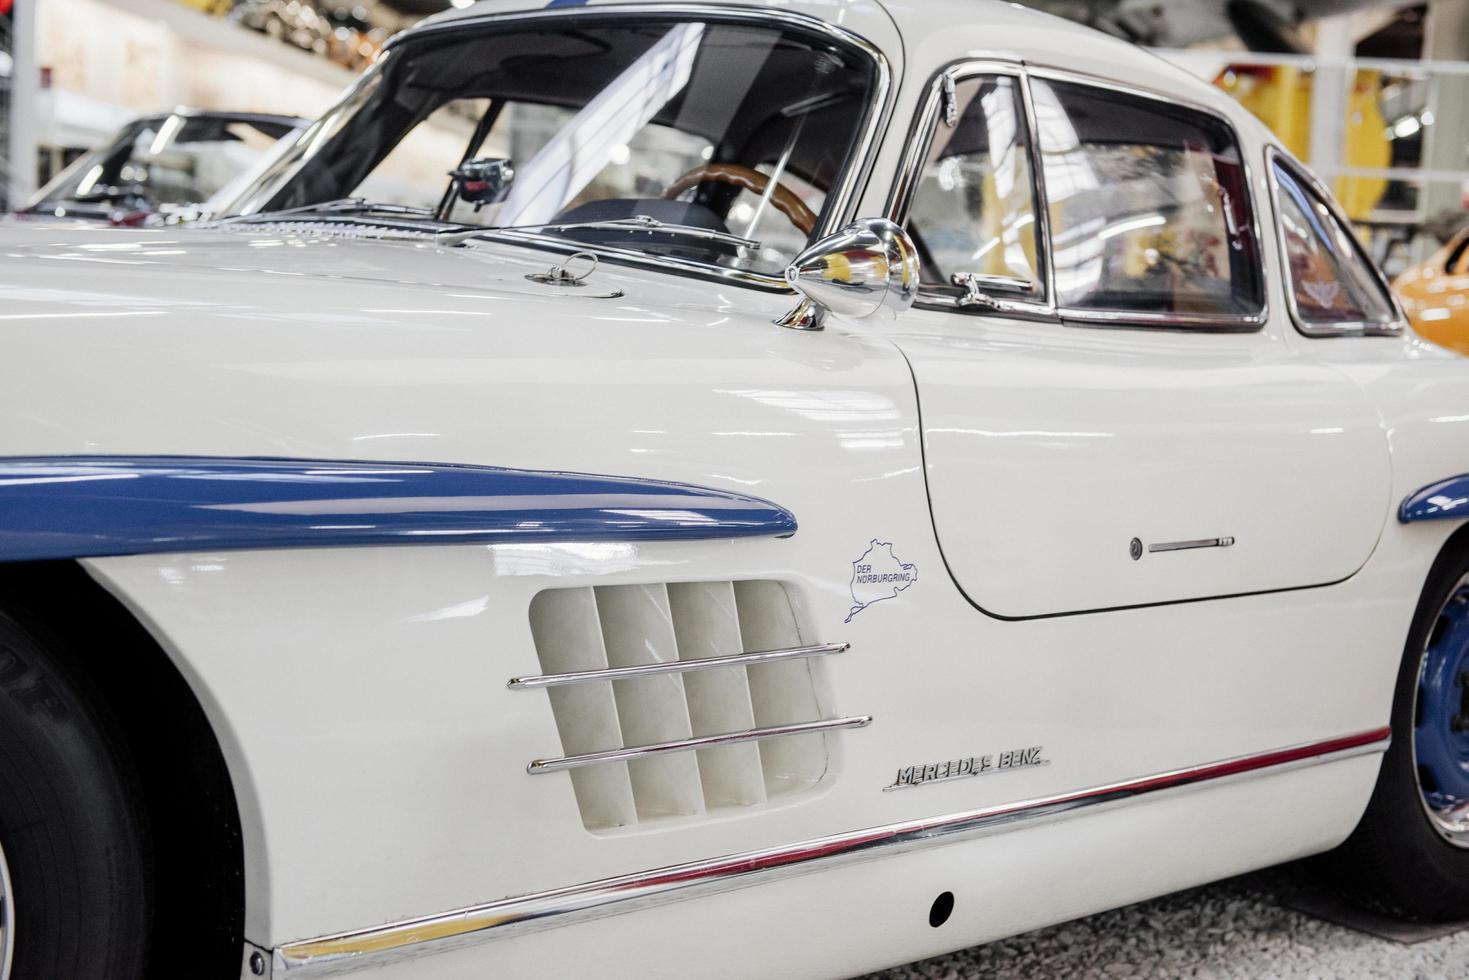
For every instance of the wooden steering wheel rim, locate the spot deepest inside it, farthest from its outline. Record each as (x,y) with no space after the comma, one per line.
(747,178)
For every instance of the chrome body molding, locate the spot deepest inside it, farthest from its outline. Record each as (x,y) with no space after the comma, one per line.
(539,766)
(677,666)
(627,893)
(64,507)
(1439,501)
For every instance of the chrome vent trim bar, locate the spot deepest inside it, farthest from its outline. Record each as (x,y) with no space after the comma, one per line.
(415,938)
(701,742)
(676,666)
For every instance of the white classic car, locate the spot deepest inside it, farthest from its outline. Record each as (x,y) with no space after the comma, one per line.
(692,489)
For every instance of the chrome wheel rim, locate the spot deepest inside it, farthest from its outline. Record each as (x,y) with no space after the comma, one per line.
(7,919)
(1441,720)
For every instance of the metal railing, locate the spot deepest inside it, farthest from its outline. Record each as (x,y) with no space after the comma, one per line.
(1396,157)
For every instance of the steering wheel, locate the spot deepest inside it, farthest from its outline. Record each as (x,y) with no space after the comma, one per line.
(785,200)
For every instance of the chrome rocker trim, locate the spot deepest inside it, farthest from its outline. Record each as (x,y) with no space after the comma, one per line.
(627,893)
(539,766)
(676,666)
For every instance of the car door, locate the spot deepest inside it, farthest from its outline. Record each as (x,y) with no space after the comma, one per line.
(1108,419)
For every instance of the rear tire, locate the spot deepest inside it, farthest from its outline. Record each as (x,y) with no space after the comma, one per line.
(71,829)
(1409,856)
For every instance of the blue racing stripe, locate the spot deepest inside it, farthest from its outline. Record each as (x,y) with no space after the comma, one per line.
(92,506)
(1441,501)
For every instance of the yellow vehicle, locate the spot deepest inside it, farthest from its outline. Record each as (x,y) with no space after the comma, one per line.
(1435,295)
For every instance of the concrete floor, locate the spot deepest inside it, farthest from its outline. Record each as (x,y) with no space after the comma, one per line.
(1233,930)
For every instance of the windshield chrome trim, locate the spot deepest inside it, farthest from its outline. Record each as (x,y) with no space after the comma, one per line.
(841,199)
(1274,155)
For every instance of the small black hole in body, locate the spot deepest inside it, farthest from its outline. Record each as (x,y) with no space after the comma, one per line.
(942,908)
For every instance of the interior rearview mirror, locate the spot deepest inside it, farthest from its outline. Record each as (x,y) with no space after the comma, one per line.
(867,271)
(484,181)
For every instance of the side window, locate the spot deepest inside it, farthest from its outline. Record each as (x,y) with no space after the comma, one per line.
(1332,282)
(1149,207)
(973,212)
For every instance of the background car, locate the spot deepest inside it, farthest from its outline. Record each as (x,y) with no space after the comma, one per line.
(162,163)
(1435,295)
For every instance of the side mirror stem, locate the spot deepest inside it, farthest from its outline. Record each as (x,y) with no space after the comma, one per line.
(806,316)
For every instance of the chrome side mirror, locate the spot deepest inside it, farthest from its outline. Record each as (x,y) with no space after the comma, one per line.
(484,181)
(867,271)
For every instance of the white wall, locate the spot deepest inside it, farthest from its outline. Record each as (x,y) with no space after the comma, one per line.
(150,55)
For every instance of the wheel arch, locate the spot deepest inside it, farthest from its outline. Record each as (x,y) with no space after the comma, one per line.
(1453,547)
(189,791)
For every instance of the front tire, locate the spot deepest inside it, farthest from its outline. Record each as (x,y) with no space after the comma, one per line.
(1410,854)
(76,895)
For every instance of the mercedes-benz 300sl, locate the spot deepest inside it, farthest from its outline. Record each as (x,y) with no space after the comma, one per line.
(709,489)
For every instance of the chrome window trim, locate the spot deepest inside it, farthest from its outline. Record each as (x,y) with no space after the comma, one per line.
(907,180)
(919,141)
(841,199)
(528,913)
(1211,322)
(1275,155)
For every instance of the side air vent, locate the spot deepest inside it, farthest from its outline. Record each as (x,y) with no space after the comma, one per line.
(673,701)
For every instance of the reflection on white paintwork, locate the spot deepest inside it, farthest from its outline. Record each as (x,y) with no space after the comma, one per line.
(867,441)
(460,610)
(589,558)
(1021,433)
(824,406)
(397,435)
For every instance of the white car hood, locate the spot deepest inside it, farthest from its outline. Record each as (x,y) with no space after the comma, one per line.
(330,252)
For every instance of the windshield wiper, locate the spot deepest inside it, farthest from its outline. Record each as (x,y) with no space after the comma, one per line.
(341,206)
(638,222)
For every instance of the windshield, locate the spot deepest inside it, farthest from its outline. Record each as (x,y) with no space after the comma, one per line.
(573,126)
(160,160)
